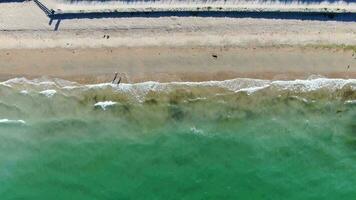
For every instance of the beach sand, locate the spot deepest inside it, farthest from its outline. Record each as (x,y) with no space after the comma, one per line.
(171,48)
(167,64)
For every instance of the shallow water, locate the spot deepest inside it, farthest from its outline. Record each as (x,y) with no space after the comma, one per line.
(241,138)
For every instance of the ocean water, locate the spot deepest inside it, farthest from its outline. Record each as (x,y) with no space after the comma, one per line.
(233,139)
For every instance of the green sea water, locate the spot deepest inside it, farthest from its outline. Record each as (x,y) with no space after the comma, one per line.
(237,139)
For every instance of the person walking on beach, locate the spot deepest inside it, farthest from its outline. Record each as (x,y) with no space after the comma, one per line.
(119,81)
(114,78)
(113,81)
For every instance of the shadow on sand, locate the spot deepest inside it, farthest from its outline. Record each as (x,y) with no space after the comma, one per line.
(318,16)
(348,17)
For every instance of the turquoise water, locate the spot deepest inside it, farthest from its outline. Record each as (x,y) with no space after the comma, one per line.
(237,139)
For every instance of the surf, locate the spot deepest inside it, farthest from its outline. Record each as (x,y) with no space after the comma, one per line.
(191,139)
(23,99)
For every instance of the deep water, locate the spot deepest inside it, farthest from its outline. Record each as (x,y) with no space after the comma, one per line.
(237,139)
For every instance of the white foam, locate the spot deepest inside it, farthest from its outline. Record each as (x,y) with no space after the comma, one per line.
(196,131)
(100,85)
(140,90)
(48,93)
(350,102)
(23,80)
(251,90)
(197,99)
(24,92)
(70,87)
(44,82)
(301,99)
(313,84)
(105,104)
(9,121)
(5,84)
(236,85)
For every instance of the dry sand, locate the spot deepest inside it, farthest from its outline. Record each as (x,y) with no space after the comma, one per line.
(172,48)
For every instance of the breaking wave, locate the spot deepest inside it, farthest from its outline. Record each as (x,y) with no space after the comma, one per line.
(21,98)
(239,85)
(181,139)
(9,121)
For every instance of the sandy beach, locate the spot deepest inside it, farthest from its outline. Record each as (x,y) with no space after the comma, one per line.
(167,64)
(171,48)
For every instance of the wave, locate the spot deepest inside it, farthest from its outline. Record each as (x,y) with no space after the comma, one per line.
(46,99)
(238,85)
(48,93)
(105,104)
(9,121)
(350,102)
(21,95)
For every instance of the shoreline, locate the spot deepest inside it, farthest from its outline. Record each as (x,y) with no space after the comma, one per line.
(168,64)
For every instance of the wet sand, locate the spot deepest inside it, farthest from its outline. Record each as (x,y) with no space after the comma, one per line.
(165,64)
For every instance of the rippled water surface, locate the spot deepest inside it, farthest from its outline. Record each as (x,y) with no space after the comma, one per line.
(235,139)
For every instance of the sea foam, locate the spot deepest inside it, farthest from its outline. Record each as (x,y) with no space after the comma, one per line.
(139,90)
(9,121)
(350,102)
(48,93)
(105,104)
